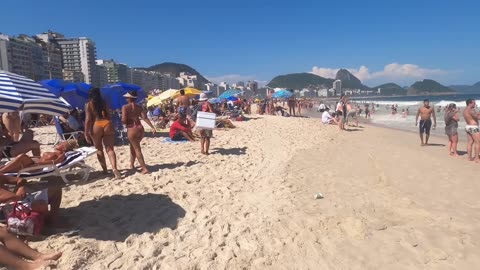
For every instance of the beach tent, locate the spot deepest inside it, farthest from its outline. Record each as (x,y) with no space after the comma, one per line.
(113,94)
(20,93)
(76,94)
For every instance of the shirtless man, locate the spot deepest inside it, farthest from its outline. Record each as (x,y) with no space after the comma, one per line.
(473,133)
(426,113)
(183,102)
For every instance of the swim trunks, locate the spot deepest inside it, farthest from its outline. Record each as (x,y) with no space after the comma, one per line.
(471,129)
(425,126)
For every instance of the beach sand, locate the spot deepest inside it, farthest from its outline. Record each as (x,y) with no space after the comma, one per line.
(389,203)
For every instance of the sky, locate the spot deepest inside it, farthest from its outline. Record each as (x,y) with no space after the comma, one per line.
(378,41)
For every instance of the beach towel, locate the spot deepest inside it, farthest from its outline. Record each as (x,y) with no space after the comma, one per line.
(168,140)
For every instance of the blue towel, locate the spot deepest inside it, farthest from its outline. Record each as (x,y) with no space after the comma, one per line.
(168,140)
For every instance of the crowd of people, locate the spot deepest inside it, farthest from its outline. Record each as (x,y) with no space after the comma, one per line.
(427,116)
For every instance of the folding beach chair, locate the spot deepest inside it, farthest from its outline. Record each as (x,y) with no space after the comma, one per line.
(61,136)
(120,131)
(74,164)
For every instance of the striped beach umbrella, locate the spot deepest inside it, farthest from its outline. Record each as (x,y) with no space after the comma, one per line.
(20,93)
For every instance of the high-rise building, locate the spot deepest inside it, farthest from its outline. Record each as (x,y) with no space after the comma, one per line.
(116,72)
(253,86)
(337,87)
(79,55)
(101,75)
(187,80)
(4,53)
(52,55)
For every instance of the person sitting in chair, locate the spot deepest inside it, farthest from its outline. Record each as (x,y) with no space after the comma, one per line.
(11,149)
(23,161)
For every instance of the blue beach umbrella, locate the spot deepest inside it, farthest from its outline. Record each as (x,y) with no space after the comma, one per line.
(113,94)
(282,94)
(232,98)
(76,94)
(215,100)
(20,93)
(229,93)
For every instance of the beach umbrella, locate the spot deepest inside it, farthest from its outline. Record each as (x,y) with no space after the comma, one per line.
(113,94)
(155,101)
(170,93)
(20,93)
(76,94)
(215,100)
(282,94)
(229,93)
(189,91)
(232,98)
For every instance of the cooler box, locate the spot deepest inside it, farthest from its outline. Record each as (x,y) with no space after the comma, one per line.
(206,120)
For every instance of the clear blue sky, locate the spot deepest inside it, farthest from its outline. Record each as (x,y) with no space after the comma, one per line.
(261,39)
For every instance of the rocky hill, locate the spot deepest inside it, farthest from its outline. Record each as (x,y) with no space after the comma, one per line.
(349,80)
(467,89)
(428,87)
(176,69)
(391,89)
(300,81)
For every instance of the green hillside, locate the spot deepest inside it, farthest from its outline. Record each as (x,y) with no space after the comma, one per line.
(300,81)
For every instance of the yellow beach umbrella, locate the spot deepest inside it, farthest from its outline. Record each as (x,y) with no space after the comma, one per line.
(170,93)
(155,101)
(189,91)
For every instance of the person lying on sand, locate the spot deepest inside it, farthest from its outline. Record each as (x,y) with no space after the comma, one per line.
(15,253)
(38,201)
(23,161)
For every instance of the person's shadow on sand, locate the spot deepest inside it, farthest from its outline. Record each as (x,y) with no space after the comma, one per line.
(117,217)
(230,151)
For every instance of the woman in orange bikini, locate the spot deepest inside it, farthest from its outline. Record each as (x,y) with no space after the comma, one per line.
(131,114)
(99,129)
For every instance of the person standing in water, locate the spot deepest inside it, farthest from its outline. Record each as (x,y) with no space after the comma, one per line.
(131,114)
(426,112)
(99,130)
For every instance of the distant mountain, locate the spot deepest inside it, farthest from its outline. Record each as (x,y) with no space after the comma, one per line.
(176,69)
(349,80)
(389,89)
(300,81)
(428,87)
(467,89)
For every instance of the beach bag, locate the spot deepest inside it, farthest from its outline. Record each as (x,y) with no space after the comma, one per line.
(23,221)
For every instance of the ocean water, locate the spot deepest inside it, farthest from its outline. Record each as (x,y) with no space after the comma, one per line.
(383,114)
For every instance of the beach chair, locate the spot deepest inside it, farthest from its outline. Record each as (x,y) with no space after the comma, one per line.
(61,136)
(120,131)
(74,164)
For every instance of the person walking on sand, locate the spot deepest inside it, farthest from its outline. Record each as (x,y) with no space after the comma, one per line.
(426,112)
(99,130)
(451,127)
(473,131)
(206,134)
(341,111)
(131,114)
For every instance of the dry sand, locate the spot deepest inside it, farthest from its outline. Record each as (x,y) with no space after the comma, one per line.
(389,204)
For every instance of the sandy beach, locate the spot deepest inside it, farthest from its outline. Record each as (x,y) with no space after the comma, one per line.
(389,203)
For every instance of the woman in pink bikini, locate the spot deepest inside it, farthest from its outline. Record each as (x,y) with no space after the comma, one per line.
(131,114)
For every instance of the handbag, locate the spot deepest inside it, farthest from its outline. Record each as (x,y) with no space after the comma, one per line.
(23,221)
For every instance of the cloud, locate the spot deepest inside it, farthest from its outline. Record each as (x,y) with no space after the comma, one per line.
(234,78)
(393,71)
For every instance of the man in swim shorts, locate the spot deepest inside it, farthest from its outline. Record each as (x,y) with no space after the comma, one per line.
(426,112)
(473,132)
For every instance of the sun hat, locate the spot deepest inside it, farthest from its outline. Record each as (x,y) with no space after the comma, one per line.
(203,97)
(131,94)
